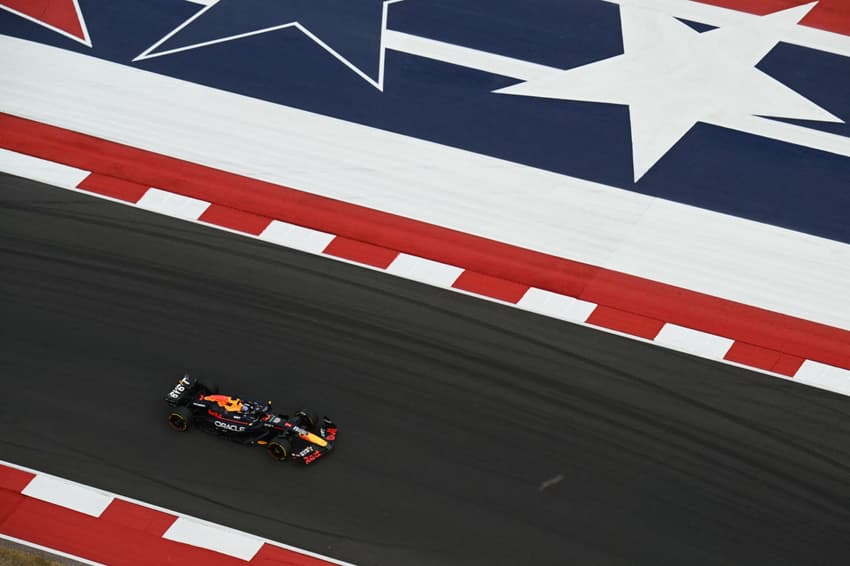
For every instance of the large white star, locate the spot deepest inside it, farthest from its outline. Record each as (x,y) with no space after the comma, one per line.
(672,77)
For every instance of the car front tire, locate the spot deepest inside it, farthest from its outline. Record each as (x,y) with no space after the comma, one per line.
(279,448)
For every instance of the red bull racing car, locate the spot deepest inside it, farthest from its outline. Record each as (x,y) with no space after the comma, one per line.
(301,437)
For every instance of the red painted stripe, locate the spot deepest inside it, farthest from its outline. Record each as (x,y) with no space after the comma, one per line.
(235,219)
(138,517)
(829,15)
(61,14)
(9,502)
(14,479)
(627,293)
(489,286)
(113,187)
(788,365)
(270,555)
(763,358)
(628,322)
(361,252)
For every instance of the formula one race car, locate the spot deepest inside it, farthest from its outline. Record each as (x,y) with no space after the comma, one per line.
(301,437)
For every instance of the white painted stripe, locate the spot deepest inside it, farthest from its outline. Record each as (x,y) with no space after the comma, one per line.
(297,237)
(464,56)
(775,269)
(717,16)
(555,305)
(68,494)
(501,65)
(789,133)
(424,270)
(693,341)
(172,204)
(50,550)
(823,376)
(214,537)
(715,254)
(40,169)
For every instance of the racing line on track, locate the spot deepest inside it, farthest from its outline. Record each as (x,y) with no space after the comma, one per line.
(451,408)
(711,327)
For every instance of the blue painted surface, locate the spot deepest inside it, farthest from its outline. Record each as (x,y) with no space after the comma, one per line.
(711,167)
(350,29)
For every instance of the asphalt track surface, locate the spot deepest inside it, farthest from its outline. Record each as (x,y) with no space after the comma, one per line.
(471,433)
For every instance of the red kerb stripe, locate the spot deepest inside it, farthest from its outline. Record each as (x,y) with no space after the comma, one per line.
(126,534)
(502,289)
(14,479)
(361,252)
(113,187)
(622,321)
(235,219)
(108,542)
(270,555)
(137,517)
(763,358)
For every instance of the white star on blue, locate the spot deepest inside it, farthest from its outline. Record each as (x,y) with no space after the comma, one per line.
(350,30)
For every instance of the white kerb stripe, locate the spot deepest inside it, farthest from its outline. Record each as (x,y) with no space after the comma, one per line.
(40,169)
(298,237)
(68,494)
(693,341)
(424,270)
(172,204)
(823,376)
(555,305)
(214,537)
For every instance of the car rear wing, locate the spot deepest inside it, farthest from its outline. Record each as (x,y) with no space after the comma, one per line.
(183,391)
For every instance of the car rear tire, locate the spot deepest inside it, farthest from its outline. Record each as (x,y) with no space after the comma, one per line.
(210,387)
(308,418)
(179,418)
(279,448)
